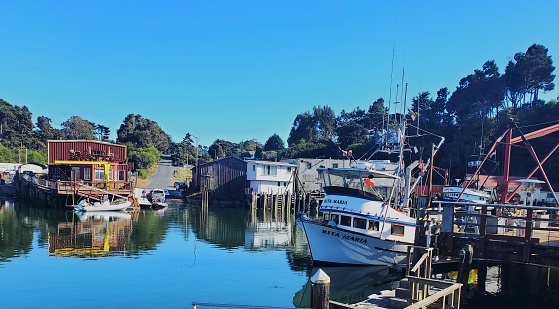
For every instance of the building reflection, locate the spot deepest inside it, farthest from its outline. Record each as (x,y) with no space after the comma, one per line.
(91,234)
(268,230)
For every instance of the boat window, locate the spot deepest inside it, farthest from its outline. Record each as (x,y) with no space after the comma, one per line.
(345,220)
(336,218)
(374,225)
(397,229)
(326,216)
(359,223)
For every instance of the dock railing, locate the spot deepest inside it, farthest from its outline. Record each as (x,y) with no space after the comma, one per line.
(501,232)
(445,294)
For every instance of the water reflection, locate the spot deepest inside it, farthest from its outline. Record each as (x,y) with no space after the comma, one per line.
(268,230)
(349,284)
(15,237)
(91,234)
(513,286)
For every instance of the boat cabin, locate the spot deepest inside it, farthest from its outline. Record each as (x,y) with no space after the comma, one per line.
(363,180)
(375,225)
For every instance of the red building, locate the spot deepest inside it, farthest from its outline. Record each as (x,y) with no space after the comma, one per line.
(96,164)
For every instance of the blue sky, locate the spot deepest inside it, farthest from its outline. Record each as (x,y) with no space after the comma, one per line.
(242,70)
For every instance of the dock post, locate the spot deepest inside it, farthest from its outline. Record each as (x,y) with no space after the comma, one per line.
(465,264)
(528,235)
(253,200)
(320,290)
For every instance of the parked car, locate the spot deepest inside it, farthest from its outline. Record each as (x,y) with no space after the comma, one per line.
(181,185)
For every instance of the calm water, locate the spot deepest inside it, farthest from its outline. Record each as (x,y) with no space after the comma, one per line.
(51,258)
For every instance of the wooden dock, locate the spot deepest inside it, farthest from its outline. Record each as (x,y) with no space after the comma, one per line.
(497,232)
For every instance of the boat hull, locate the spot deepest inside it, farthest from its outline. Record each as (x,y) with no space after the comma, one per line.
(102,206)
(332,245)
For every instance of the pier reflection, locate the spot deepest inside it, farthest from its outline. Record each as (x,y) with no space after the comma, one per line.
(349,284)
(91,234)
(268,230)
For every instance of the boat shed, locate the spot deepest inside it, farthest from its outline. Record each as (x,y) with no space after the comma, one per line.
(224,178)
(94,163)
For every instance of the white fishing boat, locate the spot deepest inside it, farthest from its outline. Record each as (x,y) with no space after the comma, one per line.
(365,215)
(105,205)
(358,226)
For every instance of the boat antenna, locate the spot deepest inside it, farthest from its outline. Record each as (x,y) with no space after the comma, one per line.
(403,111)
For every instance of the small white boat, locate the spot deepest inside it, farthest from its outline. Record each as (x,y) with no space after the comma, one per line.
(106,205)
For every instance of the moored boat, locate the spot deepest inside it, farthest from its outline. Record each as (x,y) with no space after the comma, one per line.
(365,213)
(358,227)
(106,205)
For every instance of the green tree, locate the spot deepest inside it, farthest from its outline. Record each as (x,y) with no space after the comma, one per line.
(529,73)
(478,94)
(102,132)
(6,155)
(142,132)
(274,142)
(16,125)
(46,132)
(78,128)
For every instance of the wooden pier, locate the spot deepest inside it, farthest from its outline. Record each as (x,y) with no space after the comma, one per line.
(59,193)
(497,232)
(297,202)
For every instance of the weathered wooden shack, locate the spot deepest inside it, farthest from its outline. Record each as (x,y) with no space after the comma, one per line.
(224,178)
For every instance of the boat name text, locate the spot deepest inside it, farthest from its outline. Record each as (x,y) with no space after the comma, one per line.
(346,237)
(344,202)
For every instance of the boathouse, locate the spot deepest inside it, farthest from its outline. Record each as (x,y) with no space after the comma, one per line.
(224,178)
(231,178)
(97,164)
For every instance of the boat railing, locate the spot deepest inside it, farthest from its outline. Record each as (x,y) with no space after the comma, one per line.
(195,305)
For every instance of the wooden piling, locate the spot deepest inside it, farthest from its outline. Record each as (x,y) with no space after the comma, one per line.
(465,264)
(320,290)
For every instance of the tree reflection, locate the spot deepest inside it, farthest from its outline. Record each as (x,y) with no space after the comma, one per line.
(15,237)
